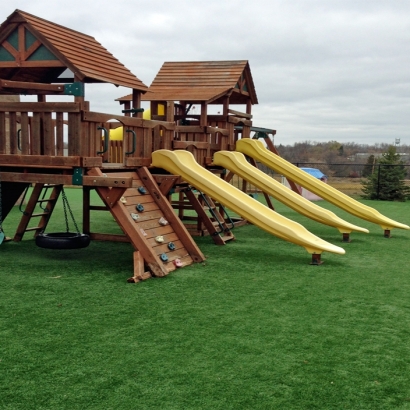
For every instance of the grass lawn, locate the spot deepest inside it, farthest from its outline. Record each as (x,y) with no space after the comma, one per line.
(254,327)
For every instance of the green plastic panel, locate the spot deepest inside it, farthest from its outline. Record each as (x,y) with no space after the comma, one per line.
(42,54)
(29,39)
(5,55)
(13,39)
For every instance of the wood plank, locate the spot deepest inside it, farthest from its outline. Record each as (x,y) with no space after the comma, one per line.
(108,237)
(186,144)
(152,228)
(214,130)
(240,114)
(148,207)
(91,162)
(98,117)
(163,248)
(139,271)
(236,120)
(191,128)
(3,134)
(36,178)
(13,133)
(138,162)
(54,88)
(153,215)
(48,130)
(39,107)
(166,182)
(36,134)
(24,134)
(102,181)
(185,261)
(39,160)
(169,237)
(60,134)
(113,195)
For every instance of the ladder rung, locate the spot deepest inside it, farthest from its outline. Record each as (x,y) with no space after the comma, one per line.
(37,228)
(227,238)
(41,214)
(46,200)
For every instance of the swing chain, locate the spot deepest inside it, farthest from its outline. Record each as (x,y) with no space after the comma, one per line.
(66,207)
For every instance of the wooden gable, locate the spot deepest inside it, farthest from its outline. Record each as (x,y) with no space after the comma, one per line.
(37,50)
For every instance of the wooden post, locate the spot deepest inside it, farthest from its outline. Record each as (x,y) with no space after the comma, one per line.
(136,102)
(139,271)
(203,122)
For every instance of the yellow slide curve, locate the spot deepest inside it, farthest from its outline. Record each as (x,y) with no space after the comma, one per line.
(183,163)
(237,163)
(256,150)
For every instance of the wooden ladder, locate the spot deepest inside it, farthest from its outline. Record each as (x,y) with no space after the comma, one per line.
(47,205)
(214,223)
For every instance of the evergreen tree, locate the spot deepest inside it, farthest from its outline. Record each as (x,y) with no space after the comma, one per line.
(369,168)
(387,181)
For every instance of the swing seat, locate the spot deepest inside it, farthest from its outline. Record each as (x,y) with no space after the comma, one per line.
(62,240)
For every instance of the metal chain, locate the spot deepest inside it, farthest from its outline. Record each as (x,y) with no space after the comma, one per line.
(66,207)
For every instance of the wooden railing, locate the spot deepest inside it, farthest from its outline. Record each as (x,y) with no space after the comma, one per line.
(45,129)
(38,128)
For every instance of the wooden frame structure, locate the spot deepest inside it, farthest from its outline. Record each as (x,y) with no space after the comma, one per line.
(65,143)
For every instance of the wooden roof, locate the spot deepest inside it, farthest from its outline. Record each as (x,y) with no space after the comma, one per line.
(202,81)
(37,50)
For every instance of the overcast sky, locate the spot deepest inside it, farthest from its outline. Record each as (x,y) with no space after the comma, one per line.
(323,69)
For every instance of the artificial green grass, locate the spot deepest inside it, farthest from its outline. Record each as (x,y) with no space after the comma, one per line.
(253,327)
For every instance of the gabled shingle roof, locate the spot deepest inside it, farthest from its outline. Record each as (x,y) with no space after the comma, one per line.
(61,48)
(206,81)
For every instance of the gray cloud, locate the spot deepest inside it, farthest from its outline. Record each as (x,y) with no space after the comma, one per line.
(322,69)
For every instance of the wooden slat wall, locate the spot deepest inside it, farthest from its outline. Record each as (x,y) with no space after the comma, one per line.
(44,127)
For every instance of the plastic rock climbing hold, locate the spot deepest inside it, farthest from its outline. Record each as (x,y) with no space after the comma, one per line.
(171,246)
(123,200)
(142,190)
(139,207)
(164,257)
(143,232)
(178,263)
(162,221)
(159,239)
(135,217)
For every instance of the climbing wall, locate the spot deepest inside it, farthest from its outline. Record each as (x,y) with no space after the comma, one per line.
(161,241)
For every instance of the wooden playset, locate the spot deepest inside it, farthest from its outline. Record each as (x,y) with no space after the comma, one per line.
(47,145)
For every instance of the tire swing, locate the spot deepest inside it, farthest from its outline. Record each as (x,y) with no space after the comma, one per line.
(67,239)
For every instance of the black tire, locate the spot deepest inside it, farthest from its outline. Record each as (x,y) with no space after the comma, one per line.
(62,240)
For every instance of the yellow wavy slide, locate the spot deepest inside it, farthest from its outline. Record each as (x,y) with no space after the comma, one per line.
(256,150)
(183,163)
(237,163)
